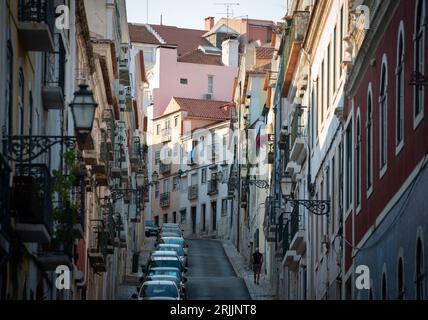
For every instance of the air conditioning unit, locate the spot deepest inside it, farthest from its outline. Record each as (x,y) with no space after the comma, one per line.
(208,96)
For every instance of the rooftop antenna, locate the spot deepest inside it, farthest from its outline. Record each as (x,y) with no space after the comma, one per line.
(147,11)
(228,6)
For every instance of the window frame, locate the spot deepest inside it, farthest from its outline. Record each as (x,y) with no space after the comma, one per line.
(369,142)
(400,91)
(383,118)
(419,34)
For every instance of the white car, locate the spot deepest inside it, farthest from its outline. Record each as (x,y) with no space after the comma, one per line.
(159,290)
(175,240)
(178,249)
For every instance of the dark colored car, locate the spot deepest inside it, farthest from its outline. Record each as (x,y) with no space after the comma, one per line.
(151,229)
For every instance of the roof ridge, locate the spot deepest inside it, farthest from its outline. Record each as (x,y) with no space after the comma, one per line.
(153,31)
(176,27)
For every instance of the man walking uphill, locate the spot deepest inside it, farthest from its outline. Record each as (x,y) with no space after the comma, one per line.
(257,265)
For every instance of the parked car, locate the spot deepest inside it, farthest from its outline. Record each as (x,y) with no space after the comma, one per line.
(172,262)
(164,253)
(159,290)
(151,229)
(169,233)
(175,240)
(165,271)
(178,249)
(171,226)
(181,286)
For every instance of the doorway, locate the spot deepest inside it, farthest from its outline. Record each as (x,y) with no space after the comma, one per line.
(204,218)
(214,215)
(194,220)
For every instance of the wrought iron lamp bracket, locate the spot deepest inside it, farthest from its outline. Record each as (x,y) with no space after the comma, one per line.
(316,207)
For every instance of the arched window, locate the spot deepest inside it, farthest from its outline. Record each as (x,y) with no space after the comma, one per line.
(400,279)
(419,67)
(399,118)
(383,120)
(369,142)
(419,271)
(358,158)
(384,295)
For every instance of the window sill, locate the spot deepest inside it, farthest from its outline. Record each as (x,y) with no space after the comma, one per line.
(399,147)
(383,171)
(369,192)
(417,120)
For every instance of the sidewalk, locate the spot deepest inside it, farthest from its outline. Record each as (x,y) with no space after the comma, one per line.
(264,290)
(130,282)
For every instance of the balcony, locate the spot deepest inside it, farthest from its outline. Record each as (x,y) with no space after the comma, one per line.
(164,200)
(294,37)
(298,145)
(297,234)
(36,19)
(52,259)
(166,135)
(97,246)
(164,168)
(32,202)
(124,60)
(193,193)
(4,188)
(212,187)
(54,77)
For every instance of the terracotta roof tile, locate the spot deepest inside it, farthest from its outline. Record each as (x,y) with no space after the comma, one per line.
(264,52)
(198,108)
(186,40)
(197,56)
(139,33)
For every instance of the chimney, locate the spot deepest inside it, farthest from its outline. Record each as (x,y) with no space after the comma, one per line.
(209,23)
(230,52)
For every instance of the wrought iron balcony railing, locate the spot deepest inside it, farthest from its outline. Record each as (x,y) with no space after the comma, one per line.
(164,168)
(164,200)
(193,192)
(36,24)
(4,189)
(212,187)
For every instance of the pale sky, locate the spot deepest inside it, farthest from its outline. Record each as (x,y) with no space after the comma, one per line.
(191,13)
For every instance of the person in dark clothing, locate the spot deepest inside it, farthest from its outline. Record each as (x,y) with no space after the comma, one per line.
(257,265)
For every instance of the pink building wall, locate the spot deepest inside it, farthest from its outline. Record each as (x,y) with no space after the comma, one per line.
(170,72)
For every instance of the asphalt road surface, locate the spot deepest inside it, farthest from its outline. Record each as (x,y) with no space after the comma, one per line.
(210,275)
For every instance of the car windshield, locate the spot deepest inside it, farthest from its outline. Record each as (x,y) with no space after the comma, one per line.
(150,224)
(159,290)
(177,249)
(165,263)
(164,254)
(178,241)
(165,272)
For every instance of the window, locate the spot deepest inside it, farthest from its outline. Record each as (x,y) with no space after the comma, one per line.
(419,67)
(224,207)
(204,176)
(341,22)
(210,84)
(165,188)
(157,190)
(174,217)
(383,121)
(149,54)
(369,142)
(349,166)
(358,156)
(383,287)
(183,216)
(158,129)
(319,105)
(7,121)
(21,97)
(183,81)
(165,218)
(323,95)
(420,273)
(400,280)
(176,122)
(157,158)
(334,59)
(399,117)
(204,217)
(183,184)
(328,80)
(175,183)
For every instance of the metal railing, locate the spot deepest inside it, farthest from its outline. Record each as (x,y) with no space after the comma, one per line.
(193,192)
(296,127)
(212,187)
(164,200)
(41,11)
(164,168)
(36,179)
(54,73)
(4,188)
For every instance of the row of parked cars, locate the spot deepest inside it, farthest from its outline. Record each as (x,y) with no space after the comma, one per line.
(164,275)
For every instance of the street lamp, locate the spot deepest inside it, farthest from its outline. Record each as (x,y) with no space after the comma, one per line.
(83,110)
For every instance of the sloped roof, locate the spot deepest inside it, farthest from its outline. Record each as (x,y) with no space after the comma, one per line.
(186,40)
(199,108)
(139,33)
(221,28)
(197,56)
(264,52)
